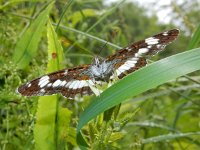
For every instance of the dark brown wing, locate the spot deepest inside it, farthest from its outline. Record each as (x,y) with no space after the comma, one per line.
(68,82)
(132,57)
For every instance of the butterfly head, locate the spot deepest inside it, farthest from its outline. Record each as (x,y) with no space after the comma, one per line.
(97,60)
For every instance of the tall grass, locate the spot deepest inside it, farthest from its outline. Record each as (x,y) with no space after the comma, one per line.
(121,117)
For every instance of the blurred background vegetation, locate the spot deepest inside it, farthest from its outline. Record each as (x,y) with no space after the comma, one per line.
(171,108)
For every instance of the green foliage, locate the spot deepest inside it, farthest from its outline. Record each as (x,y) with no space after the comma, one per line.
(26,47)
(78,16)
(167,137)
(55,50)
(152,76)
(195,39)
(52,126)
(124,116)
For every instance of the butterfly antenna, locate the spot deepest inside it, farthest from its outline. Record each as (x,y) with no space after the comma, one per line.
(100,50)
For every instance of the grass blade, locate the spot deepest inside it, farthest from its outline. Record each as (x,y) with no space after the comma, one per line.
(195,39)
(88,35)
(27,45)
(68,3)
(55,50)
(47,130)
(168,137)
(140,81)
(12,3)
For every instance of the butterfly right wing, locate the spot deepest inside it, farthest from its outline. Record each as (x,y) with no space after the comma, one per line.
(68,82)
(133,58)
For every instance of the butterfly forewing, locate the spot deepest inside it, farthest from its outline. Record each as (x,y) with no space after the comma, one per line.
(68,82)
(132,57)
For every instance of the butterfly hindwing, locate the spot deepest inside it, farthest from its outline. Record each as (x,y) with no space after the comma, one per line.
(132,57)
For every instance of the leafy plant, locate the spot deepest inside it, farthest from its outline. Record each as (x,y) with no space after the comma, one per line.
(138,112)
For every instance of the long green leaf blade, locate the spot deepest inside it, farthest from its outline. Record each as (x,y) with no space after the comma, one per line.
(55,50)
(46,128)
(27,45)
(195,39)
(142,80)
(168,137)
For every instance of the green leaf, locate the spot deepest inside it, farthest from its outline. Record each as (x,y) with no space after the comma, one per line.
(10,3)
(71,138)
(168,137)
(195,39)
(140,81)
(64,116)
(27,45)
(93,132)
(67,5)
(78,16)
(48,126)
(55,50)
(45,127)
(88,35)
(116,136)
(151,125)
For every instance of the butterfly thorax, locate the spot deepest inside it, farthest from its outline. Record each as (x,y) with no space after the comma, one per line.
(101,70)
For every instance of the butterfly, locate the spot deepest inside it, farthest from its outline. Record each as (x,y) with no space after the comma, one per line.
(79,80)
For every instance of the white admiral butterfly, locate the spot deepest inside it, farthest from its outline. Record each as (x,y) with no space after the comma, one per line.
(79,80)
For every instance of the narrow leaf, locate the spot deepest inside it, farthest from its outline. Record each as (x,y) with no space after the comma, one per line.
(27,45)
(64,116)
(140,81)
(168,137)
(46,128)
(55,50)
(10,3)
(195,39)
(78,16)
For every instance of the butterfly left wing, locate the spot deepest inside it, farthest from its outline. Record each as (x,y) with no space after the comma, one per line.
(68,82)
(132,57)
